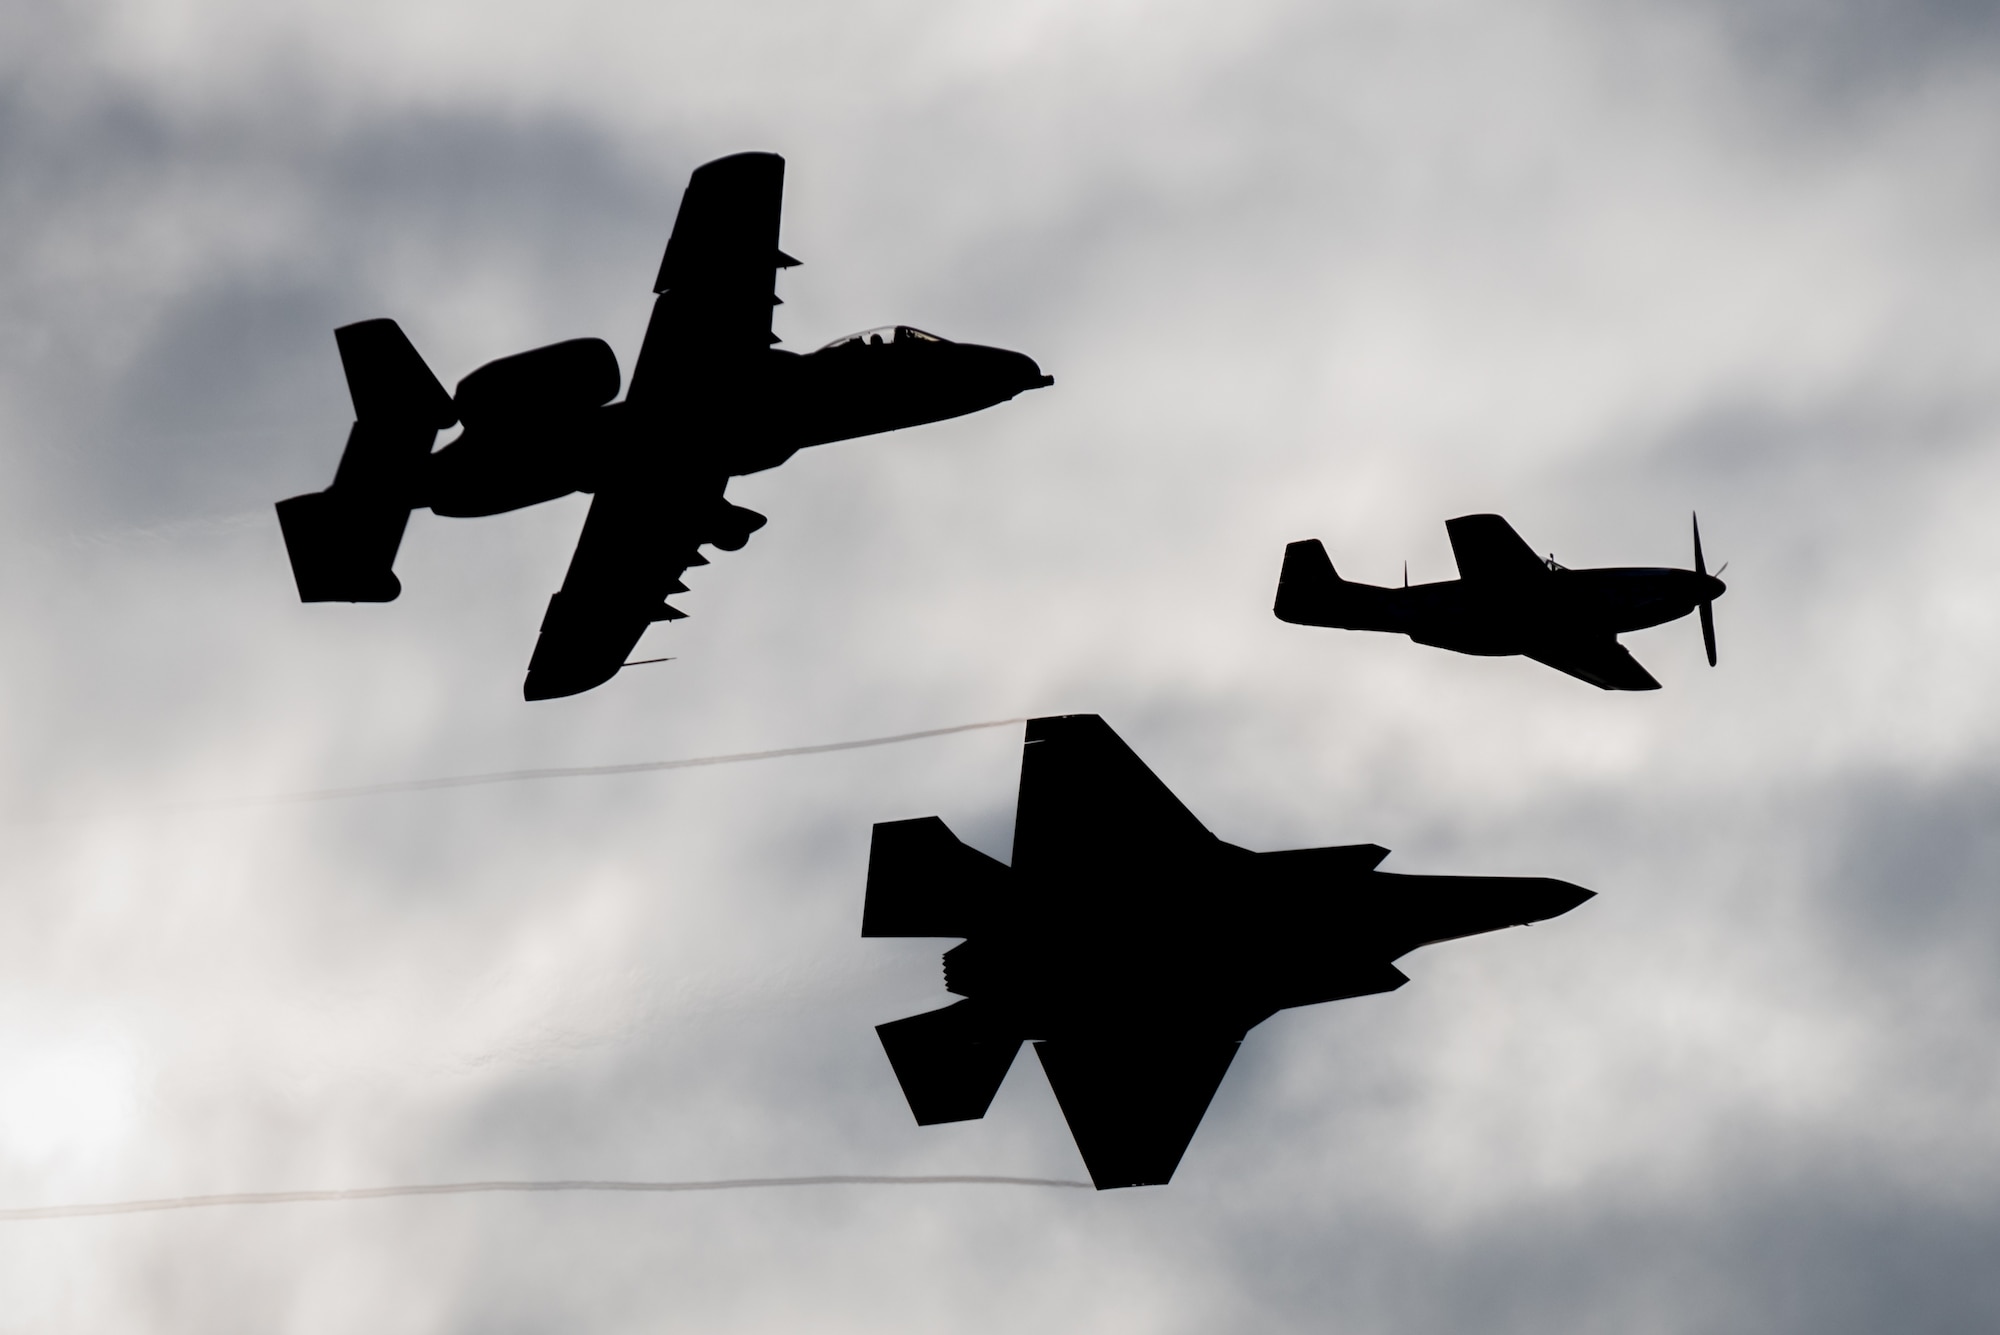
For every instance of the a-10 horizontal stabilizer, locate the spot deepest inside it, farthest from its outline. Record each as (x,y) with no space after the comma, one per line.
(922,881)
(342,547)
(1133,1101)
(949,1062)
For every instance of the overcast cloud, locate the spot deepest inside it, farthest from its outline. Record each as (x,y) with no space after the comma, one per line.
(1300,269)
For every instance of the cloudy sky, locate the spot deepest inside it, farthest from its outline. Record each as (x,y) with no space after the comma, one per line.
(1301,268)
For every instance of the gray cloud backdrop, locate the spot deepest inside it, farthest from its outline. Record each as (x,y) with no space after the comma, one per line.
(1333,269)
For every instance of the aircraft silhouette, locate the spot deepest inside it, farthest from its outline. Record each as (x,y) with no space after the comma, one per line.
(710,399)
(1506,600)
(1135,949)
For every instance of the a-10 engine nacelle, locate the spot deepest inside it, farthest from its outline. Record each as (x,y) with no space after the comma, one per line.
(526,438)
(568,377)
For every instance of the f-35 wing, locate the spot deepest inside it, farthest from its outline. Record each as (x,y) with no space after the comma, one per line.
(636,544)
(1133,1100)
(1487,548)
(1604,663)
(1088,804)
(717,280)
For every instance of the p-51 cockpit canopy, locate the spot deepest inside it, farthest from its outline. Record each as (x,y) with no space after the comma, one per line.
(888,333)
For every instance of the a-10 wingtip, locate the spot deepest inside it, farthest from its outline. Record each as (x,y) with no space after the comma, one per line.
(545,684)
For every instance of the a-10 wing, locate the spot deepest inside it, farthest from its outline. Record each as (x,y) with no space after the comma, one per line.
(710,331)
(636,544)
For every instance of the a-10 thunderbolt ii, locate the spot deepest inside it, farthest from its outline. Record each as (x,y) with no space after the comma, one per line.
(1135,949)
(709,399)
(1507,600)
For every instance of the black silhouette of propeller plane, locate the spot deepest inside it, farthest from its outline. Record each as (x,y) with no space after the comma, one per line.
(1135,949)
(710,399)
(1507,600)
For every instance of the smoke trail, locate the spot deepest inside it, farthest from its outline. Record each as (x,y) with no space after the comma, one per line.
(586,771)
(474,1188)
(529,775)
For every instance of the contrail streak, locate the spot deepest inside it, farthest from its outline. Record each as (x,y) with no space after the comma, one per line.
(590,771)
(530,775)
(475,1188)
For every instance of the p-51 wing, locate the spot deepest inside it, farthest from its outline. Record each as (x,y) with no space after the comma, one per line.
(1486,547)
(1604,663)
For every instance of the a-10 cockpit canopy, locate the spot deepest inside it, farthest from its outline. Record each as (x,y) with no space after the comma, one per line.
(888,333)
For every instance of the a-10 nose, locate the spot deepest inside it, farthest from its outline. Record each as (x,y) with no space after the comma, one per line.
(1014,370)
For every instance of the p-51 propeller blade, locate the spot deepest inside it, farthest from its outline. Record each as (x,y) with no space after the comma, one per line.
(1707,604)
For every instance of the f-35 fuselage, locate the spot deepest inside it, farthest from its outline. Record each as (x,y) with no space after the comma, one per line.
(1220,940)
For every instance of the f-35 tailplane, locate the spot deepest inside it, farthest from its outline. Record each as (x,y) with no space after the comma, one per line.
(709,399)
(1135,950)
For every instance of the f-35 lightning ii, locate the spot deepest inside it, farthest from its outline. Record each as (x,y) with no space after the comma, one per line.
(710,399)
(1507,600)
(1135,949)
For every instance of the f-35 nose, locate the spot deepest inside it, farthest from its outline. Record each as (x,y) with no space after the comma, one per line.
(1542,898)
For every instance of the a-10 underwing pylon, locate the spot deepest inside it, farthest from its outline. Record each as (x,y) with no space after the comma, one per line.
(1135,949)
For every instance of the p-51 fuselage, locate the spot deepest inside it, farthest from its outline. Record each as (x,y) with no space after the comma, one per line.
(1485,620)
(1507,600)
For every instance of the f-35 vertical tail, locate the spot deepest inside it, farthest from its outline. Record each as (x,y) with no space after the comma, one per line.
(343,541)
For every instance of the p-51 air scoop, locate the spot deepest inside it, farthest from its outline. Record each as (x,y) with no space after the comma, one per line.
(1135,950)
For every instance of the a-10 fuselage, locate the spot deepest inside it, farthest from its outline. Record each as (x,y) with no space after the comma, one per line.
(731,419)
(1500,617)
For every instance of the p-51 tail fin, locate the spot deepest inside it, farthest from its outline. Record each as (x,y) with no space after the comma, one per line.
(343,541)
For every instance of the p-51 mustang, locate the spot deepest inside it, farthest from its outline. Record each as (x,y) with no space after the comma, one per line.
(1135,949)
(1507,600)
(710,399)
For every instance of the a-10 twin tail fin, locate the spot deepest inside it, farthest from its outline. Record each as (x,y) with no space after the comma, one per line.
(343,541)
